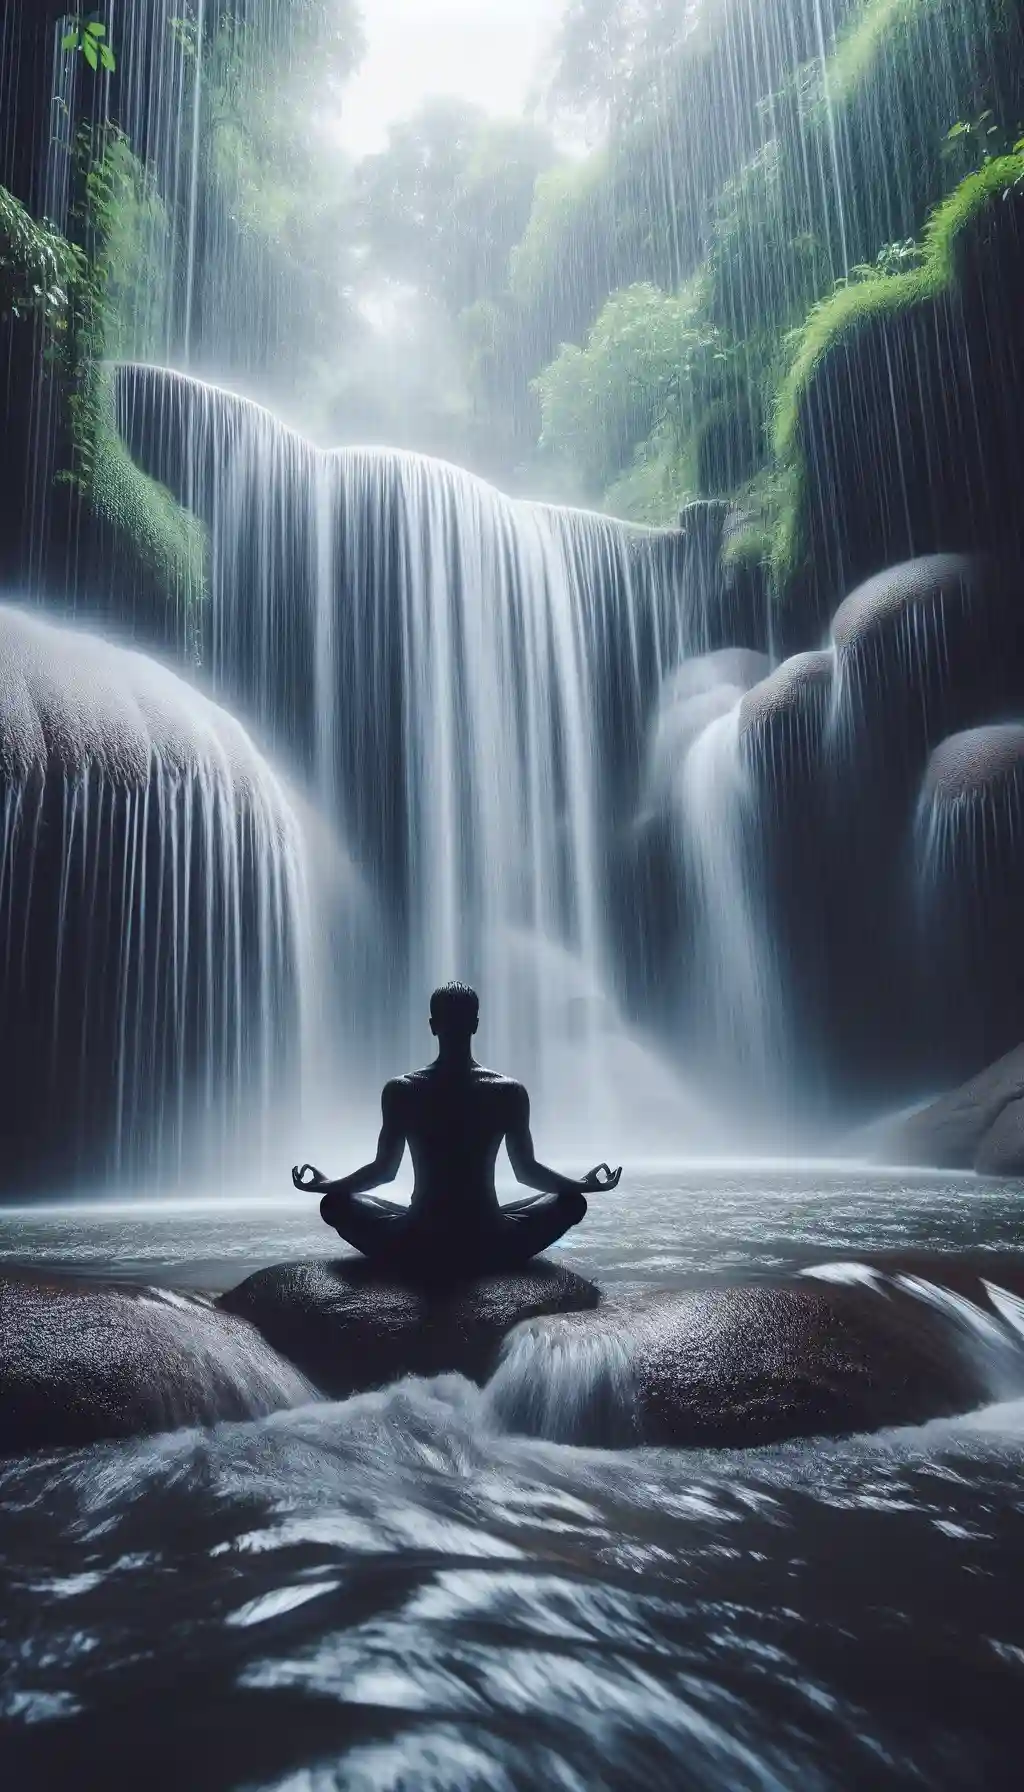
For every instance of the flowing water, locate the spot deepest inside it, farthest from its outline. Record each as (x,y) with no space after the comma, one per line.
(397,1591)
(467,683)
(473,699)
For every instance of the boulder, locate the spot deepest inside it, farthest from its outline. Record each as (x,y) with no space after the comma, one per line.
(1001,1152)
(350,1328)
(963,1130)
(978,763)
(921,648)
(970,887)
(85,1361)
(151,910)
(783,721)
(726,606)
(737,1367)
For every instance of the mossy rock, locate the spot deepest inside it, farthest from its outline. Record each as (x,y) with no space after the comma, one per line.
(145,548)
(901,425)
(109,537)
(729,447)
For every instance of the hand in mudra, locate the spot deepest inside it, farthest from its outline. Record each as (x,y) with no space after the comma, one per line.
(316,1178)
(601,1178)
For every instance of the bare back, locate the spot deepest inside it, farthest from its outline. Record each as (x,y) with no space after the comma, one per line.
(454,1120)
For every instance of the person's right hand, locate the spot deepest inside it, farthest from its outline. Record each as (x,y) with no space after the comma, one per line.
(317,1180)
(600,1178)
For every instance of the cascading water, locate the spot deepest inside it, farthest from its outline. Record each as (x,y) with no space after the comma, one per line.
(733,958)
(154,904)
(466,679)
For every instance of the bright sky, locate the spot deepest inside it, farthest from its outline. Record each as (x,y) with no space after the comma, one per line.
(487,51)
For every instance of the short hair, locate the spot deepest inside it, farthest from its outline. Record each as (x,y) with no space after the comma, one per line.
(455,1005)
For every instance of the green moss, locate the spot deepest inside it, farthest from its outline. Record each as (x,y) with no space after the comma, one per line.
(148,525)
(866,302)
(870,39)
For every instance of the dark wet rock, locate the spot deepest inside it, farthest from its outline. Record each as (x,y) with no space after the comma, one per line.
(727,603)
(736,1368)
(909,420)
(83,1362)
(783,719)
(977,763)
(953,1132)
(970,875)
(1001,1152)
(922,648)
(350,1328)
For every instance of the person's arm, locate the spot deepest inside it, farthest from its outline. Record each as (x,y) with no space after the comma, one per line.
(527,1170)
(385,1166)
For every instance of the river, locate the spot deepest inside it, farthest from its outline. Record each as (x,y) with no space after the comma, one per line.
(392,1593)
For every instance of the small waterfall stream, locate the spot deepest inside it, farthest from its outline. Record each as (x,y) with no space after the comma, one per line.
(738,989)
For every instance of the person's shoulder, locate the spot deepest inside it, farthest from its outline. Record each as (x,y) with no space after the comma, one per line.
(398,1088)
(505,1086)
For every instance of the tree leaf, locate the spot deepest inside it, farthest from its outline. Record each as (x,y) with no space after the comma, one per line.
(90,52)
(96,29)
(70,39)
(107,57)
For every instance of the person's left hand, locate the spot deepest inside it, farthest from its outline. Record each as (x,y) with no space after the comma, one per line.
(317,1179)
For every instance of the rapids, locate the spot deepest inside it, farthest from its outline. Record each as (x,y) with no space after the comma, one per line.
(399,1591)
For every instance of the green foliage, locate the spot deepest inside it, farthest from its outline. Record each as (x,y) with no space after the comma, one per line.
(859,304)
(269,77)
(650,365)
(38,269)
(114,213)
(88,39)
(568,204)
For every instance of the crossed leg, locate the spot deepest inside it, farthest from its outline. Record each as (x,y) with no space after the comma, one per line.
(382,1230)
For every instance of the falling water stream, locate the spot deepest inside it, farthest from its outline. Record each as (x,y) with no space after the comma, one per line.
(467,682)
(432,731)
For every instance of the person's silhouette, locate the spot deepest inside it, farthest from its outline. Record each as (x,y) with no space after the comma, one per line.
(454,1115)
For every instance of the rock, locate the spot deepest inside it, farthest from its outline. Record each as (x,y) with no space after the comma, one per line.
(735,1367)
(921,648)
(83,1362)
(727,607)
(783,720)
(350,1328)
(692,696)
(970,887)
(952,1133)
(977,763)
(147,845)
(1001,1152)
(908,417)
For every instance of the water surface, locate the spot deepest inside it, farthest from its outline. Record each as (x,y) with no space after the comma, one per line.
(391,1593)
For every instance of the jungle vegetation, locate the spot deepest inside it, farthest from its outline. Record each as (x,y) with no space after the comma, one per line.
(616,326)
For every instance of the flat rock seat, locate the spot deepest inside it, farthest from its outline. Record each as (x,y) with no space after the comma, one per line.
(351,1326)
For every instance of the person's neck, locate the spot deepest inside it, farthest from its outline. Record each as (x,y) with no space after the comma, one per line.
(455,1056)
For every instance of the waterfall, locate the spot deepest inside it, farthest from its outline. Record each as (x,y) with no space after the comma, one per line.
(154,908)
(737,988)
(467,681)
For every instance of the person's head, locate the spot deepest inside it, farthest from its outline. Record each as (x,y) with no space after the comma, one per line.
(454,1013)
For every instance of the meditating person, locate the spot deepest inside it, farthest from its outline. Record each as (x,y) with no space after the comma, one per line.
(453,1116)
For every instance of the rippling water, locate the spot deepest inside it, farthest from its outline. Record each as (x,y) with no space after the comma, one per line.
(391,1593)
